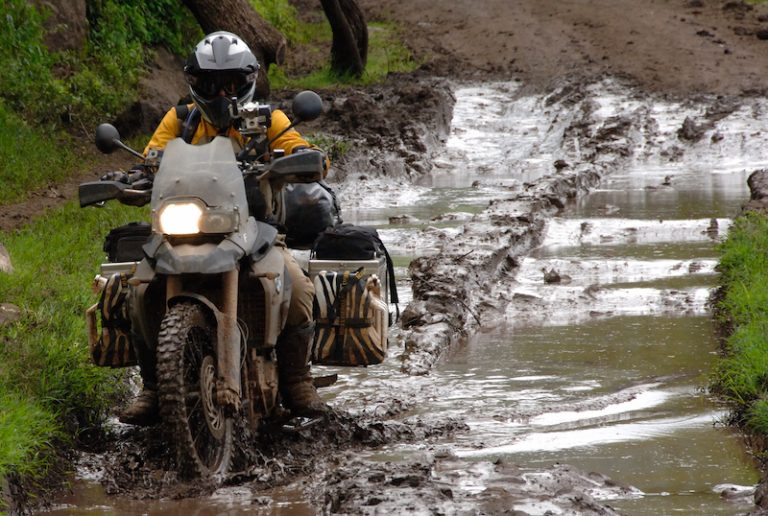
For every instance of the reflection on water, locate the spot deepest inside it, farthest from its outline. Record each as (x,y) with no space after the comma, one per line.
(89,498)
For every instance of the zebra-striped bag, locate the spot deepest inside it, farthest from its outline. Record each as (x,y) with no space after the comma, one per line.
(111,347)
(351,319)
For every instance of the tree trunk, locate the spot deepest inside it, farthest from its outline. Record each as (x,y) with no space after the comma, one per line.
(238,17)
(349,50)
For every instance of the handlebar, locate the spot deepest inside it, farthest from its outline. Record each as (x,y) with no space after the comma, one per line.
(97,192)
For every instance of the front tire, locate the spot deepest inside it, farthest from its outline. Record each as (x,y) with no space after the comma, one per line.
(196,426)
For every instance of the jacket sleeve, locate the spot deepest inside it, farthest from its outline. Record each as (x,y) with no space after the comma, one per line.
(165,132)
(291,139)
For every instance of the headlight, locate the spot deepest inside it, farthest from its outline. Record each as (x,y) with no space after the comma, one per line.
(192,217)
(181,218)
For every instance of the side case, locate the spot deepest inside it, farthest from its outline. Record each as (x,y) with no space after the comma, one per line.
(111,346)
(351,313)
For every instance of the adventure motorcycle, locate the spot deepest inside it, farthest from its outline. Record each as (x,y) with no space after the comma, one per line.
(209,290)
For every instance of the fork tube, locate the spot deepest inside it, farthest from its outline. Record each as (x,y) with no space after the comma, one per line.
(228,346)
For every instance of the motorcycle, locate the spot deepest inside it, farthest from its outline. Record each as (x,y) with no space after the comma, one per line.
(209,290)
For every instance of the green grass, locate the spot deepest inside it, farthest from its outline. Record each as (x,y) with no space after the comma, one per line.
(47,382)
(741,376)
(76,88)
(28,159)
(27,431)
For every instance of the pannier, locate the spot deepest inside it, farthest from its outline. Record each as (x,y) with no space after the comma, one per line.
(111,346)
(124,243)
(354,279)
(349,242)
(351,319)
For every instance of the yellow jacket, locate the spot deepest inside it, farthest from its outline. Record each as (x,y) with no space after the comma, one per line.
(170,128)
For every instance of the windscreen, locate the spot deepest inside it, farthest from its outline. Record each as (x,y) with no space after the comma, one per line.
(208,172)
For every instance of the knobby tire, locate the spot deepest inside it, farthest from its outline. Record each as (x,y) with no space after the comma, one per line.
(195,426)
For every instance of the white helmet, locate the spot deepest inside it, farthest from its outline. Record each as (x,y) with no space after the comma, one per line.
(221,67)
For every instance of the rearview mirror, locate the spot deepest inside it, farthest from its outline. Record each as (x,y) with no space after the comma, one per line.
(307,106)
(107,138)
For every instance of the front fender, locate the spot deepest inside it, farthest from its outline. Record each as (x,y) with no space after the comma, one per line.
(197,258)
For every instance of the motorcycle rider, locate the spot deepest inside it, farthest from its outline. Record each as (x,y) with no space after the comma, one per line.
(221,68)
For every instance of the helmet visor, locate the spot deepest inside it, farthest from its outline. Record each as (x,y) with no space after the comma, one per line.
(210,85)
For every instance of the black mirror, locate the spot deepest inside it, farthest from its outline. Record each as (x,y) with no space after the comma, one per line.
(307,105)
(107,138)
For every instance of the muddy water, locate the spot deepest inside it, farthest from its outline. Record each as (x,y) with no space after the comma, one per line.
(605,370)
(606,367)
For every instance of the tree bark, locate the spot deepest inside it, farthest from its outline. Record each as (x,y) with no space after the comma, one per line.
(238,17)
(349,50)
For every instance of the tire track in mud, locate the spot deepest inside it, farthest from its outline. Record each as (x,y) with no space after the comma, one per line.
(456,281)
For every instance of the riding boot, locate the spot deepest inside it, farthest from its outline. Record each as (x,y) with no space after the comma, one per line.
(144,409)
(296,387)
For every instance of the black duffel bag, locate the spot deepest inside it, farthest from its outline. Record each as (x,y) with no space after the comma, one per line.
(124,243)
(307,210)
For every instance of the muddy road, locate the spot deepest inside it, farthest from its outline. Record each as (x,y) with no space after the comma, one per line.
(555,339)
(553,183)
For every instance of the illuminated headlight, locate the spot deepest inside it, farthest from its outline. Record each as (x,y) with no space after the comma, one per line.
(191,217)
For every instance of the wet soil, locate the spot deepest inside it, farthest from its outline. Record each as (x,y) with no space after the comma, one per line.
(708,52)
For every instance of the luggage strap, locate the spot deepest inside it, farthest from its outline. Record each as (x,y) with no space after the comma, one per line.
(347,282)
(189,119)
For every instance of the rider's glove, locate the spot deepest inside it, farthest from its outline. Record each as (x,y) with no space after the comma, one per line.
(115,175)
(139,178)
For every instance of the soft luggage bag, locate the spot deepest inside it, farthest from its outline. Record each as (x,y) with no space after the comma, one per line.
(111,346)
(351,319)
(124,243)
(306,210)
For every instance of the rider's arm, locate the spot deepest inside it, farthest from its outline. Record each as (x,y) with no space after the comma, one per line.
(165,132)
(290,140)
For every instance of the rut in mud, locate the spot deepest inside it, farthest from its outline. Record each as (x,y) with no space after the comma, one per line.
(479,242)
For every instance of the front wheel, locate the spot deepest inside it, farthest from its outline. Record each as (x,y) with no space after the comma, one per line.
(197,427)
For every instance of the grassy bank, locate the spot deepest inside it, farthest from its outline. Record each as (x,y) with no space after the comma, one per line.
(741,376)
(49,391)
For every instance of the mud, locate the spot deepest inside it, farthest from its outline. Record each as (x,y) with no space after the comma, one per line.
(135,462)
(455,293)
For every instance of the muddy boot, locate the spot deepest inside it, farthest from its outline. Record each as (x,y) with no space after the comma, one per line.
(143,410)
(296,387)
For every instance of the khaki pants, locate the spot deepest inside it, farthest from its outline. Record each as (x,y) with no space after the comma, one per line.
(302,291)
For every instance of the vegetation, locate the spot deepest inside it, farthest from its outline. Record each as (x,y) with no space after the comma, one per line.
(46,378)
(28,158)
(387,54)
(742,374)
(47,96)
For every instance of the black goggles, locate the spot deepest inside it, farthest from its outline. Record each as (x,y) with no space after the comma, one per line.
(231,83)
